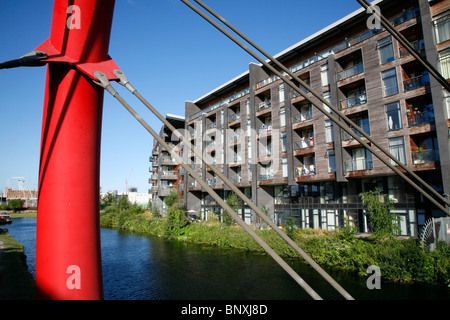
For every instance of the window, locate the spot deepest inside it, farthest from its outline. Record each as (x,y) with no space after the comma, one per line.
(324,74)
(281,92)
(329,135)
(394,116)
(284,142)
(284,165)
(331,161)
(444,62)
(442,28)
(397,149)
(390,85)
(447,103)
(327,97)
(385,50)
(282,117)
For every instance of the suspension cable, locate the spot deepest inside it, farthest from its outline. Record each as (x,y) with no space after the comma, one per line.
(104,82)
(329,115)
(124,81)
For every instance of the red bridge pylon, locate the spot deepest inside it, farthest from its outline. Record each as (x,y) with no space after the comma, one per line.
(68,255)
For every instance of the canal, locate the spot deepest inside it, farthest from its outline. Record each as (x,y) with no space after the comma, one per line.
(149,268)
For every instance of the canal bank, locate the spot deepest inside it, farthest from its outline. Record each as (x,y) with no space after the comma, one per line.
(399,260)
(16,282)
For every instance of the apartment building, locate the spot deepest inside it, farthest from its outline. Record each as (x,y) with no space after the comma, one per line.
(166,174)
(290,159)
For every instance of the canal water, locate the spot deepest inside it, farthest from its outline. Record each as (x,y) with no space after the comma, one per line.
(149,268)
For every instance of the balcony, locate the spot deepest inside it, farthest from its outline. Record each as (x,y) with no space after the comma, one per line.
(234,117)
(211,181)
(347,73)
(419,118)
(419,45)
(358,164)
(302,117)
(235,179)
(265,128)
(305,171)
(353,101)
(425,156)
(168,160)
(365,128)
(263,105)
(416,82)
(168,175)
(211,126)
(304,143)
(265,176)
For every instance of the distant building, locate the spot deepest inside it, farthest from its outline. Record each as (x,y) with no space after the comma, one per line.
(28,196)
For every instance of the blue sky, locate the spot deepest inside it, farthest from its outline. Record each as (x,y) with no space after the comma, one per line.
(169,54)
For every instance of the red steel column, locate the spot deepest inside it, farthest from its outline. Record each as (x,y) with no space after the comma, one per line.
(68,257)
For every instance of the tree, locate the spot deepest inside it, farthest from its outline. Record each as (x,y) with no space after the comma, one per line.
(171,199)
(15,204)
(233,202)
(383,222)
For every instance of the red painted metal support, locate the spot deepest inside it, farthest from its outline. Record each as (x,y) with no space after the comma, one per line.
(68,256)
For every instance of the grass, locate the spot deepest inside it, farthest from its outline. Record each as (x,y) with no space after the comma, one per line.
(16,283)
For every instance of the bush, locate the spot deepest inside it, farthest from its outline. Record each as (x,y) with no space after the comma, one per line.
(176,221)
(382,221)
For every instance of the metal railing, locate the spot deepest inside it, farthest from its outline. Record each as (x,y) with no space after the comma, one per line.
(358,164)
(347,73)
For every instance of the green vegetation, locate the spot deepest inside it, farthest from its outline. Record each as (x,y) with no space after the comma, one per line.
(383,222)
(16,283)
(14,205)
(399,260)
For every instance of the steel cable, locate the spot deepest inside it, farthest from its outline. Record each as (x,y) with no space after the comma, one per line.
(105,84)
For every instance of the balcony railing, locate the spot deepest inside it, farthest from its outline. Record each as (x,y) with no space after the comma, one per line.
(211,126)
(419,118)
(419,45)
(365,128)
(167,187)
(353,101)
(234,117)
(265,176)
(264,105)
(305,171)
(169,173)
(265,128)
(347,73)
(236,179)
(211,181)
(425,156)
(358,164)
(306,143)
(416,82)
(303,117)
(168,159)
(265,153)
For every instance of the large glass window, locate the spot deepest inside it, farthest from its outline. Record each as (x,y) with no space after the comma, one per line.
(397,149)
(329,136)
(390,85)
(394,116)
(385,50)
(444,62)
(442,28)
(324,74)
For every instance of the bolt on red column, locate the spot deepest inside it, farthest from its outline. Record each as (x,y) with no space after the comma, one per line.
(68,256)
